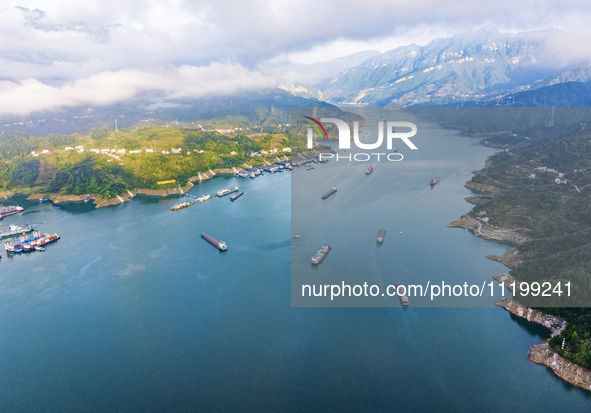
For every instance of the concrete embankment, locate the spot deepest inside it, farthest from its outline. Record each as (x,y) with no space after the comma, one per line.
(484,231)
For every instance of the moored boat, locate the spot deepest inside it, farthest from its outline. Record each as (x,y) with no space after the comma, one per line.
(6,210)
(224,192)
(181,205)
(15,230)
(34,243)
(203,198)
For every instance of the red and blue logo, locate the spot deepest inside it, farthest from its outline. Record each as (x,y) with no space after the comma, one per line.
(315,125)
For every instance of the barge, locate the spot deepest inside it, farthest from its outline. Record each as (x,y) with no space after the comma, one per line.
(182,205)
(319,256)
(236,196)
(329,193)
(34,243)
(9,210)
(220,245)
(381,235)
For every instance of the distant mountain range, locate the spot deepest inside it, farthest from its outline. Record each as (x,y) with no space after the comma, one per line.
(267,108)
(474,66)
(300,76)
(564,94)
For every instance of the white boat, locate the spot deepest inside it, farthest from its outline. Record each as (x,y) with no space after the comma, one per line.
(223,192)
(203,198)
(39,249)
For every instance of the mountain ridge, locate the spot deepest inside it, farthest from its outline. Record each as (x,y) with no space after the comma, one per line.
(468,66)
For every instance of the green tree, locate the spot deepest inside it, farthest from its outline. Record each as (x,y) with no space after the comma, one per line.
(99,133)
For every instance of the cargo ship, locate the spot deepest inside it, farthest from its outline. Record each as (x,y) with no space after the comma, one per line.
(203,198)
(182,205)
(224,192)
(329,193)
(220,245)
(320,254)
(369,170)
(20,247)
(403,297)
(15,230)
(236,196)
(34,243)
(434,181)
(381,235)
(9,210)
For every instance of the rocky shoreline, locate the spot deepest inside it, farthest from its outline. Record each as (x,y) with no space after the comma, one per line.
(483,231)
(128,195)
(543,353)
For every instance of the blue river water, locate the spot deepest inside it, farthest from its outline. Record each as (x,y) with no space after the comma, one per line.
(132,311)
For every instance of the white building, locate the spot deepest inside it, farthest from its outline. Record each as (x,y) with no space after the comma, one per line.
(121,151)
(286,149)
(136,151)
(80,148)
(69,148)
(150,150)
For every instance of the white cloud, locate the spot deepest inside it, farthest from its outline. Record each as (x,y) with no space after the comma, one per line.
(113,49)
(31,95)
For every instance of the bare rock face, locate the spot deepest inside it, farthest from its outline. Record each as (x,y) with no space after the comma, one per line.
(553,323)
(509,259)
(563,368)
(543,353)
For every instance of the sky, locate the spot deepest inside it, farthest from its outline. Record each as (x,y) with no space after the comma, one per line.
(56,53)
